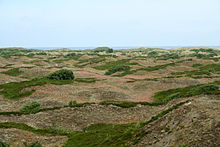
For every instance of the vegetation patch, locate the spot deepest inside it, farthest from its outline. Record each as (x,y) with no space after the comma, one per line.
(29,108)
(13,72)
(98,134)
(196,65)
(205,70)
(75,104)
(62,74)
(86,80)
(149,69)
(165,96)
(35,144)
(118,69)
(13,90)
(214,68)
(83,63)
(113,64)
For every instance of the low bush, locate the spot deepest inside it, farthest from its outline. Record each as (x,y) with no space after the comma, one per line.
(2,144)
(117,69)
(196,65)
(35,144)
(165,96)
(13,90)
(75,104)
(60,75)
(112,64)
(13,72)
(29,108)
(86,80)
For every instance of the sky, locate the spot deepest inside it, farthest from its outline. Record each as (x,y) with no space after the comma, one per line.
(85,23)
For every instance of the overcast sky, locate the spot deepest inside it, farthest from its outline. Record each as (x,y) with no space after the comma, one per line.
(82,23)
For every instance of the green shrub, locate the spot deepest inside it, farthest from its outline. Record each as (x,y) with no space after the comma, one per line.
(211,68)
(13,90)
(32,107)
(89,61)
(118,68)
(75,104)
(13,72)
(196,65)
(103,49)
(86,80)
(169,56)
(165,96)
(112,64)
(2,144)
(35,144)
(62,74)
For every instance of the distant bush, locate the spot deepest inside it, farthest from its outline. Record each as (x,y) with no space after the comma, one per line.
(118,68)
(169,56)
(153,54)
(196,65)
(75,104)
(71,55)
(85,80)
(103,49)
(32,107)
(112,64)
(62,74)
(36,144)
(89,61)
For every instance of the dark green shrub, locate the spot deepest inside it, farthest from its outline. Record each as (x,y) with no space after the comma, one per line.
(75,104)
(196,65)
(165,96)
(103,49)
(86,80)
(35,144)
(32,107)
(118,68)
(13,72)
(62,74)
(2,144)
(206,89)
(211,68)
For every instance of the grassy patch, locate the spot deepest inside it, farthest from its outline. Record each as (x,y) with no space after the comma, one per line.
(83,63)
(86,80)
(149,69)
(196,65)
(13,90)
(98,134)
(214,68)
(13,72)
(112,64)
(147,79)
(32,107)
(205,70)
(75,104)
(117,69)
(165,96)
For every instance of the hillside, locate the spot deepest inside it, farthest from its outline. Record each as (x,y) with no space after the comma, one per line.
(104,97)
